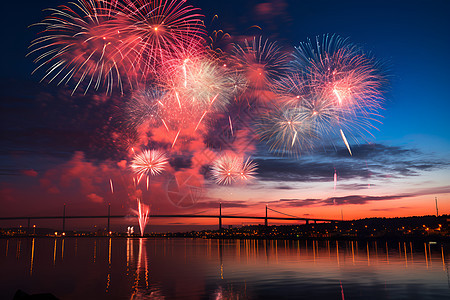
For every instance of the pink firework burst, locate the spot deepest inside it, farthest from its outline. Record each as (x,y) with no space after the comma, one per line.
(76,46)
(248,170)
(345,77)
(149,162)
(229,168)
(158,28)
(261,61)
(226,169)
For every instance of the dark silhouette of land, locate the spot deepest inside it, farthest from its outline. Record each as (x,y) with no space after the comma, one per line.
(420,227)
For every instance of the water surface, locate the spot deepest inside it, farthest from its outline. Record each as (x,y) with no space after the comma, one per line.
(120,268)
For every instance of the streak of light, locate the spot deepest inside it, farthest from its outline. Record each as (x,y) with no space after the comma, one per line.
(353,254)
(95,250)
(18,249)
(387,253)
(346,142)
(32,257)
(62,249)
(335,179)
(442,255)
(406,256)
(165,125)
(111,185)
(176,137)
(337,253)
(293,139)
(214,99)
(54,253)
(198,124)
(231,125)
(338,96)
(178,99)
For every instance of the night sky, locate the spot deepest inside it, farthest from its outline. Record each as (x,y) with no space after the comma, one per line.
(57,148)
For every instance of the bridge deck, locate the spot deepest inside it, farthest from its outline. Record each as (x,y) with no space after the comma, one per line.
(169,216)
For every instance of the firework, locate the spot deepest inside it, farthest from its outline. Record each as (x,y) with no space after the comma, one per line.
(345,142)
(335,179)
(201,84)
(225,169)
(149,162)
(143,211)
(75,46)
(261,61)
(347,81)
(286,129)
(248,170)
(322,114)
(156,29)
(229,168)
(144,106)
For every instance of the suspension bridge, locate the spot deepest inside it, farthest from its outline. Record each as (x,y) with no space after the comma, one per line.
(219,217)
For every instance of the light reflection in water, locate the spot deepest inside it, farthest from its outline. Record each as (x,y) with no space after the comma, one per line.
(54,253)
(108,276)
(95,250)
(32,257)
(18,248)
(62,249)
(227,269)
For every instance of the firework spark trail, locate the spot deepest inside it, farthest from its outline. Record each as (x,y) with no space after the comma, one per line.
(338,96)
(346,142)
(176,138)
(178,99)
(293,139)
(231,125)
(143,211)
(165,125)
(111,186)
(335,179)
(198,124)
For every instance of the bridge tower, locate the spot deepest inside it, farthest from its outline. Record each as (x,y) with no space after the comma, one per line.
(220,216)
(64,219)
(266,221)
(109,217)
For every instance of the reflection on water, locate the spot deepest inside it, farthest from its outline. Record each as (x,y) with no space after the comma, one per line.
(134,268)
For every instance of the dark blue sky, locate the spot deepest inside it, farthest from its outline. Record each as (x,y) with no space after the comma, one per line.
(411,38)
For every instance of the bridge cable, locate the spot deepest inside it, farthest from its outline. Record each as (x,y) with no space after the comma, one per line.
(282,213)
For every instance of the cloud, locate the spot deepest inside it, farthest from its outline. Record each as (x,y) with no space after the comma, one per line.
(214,203)
(390,208)
(95,198)
(358,199)
(31,173)
(371,161)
